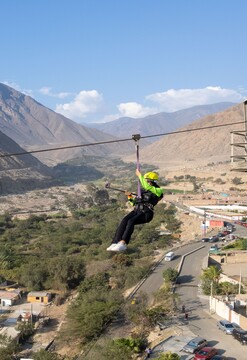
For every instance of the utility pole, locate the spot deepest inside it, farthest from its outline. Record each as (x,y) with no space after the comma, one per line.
(211,296)
(239,283)
(204,226)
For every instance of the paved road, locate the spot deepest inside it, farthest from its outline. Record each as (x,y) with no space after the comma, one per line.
(201,322)
(155,280)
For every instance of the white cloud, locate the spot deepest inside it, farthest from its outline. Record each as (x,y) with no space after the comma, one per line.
(84,103)
(89,106)
(133,109)
(174,100)
(47,91)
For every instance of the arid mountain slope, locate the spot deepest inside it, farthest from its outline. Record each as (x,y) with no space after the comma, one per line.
(19,173)
(159,123)
(33,126)
(196,147)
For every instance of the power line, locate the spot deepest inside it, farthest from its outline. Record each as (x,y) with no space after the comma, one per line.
(117,141)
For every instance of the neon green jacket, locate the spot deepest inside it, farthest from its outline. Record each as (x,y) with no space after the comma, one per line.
(147,193)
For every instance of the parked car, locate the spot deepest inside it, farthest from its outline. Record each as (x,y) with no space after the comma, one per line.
(226,232)
(213,239)
(205,353)
(226,326)
(205,239)
(230,237)
(236,326)
(213,248)
(195,344)
(220,235)
(240,335)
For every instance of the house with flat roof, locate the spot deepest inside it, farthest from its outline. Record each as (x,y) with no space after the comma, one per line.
(39,297)
(9,298)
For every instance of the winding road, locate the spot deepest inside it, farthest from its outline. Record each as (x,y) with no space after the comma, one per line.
(201,322)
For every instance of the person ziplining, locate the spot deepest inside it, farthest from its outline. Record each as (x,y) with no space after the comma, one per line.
(149,194)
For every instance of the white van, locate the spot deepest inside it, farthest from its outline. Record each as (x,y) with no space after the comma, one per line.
(169,256)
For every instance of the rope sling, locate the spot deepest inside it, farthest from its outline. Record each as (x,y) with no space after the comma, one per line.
(136,138)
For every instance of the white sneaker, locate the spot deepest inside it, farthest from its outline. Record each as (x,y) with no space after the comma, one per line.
(120,246)
(111,247)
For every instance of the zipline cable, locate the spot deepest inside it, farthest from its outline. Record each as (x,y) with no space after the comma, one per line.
(119,140)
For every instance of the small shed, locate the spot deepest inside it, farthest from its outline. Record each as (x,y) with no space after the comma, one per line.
(39,297)
(8,298)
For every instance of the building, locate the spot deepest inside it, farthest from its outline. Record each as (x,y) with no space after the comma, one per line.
(39,297)
(9,298)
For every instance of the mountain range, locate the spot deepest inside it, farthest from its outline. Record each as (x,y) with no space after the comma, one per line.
(34,126)
(21,172)
(159,123)
(193,148)
(26,125)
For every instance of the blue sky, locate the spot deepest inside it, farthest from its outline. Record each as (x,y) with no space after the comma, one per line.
(97,60)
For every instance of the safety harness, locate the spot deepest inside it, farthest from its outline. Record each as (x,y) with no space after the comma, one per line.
(145,200)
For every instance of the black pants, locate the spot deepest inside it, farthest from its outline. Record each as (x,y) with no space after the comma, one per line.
(126,226)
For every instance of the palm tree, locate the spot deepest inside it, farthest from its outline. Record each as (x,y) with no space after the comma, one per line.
(212,273)
(210,279)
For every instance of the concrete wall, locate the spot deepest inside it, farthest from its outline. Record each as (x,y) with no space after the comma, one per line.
(226,312)
(219,307)
(224,277)
(231,216)
(233,257)
(6,302)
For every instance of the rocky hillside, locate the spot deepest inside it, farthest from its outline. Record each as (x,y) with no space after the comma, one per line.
(21,173)
(196,148)
(33,126)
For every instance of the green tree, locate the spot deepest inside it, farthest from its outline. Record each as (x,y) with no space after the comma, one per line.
(90,312)
(172,223)
(66,272)
(99,281)
(45,355)
(243,244)
(26,330)
(33,274)
(210,280)
(170,275)
(8,347)
(6,221)
(115,350)
(227,288)
(167,298)
(155,313)
(122,260)
(136,310)
(168,356)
